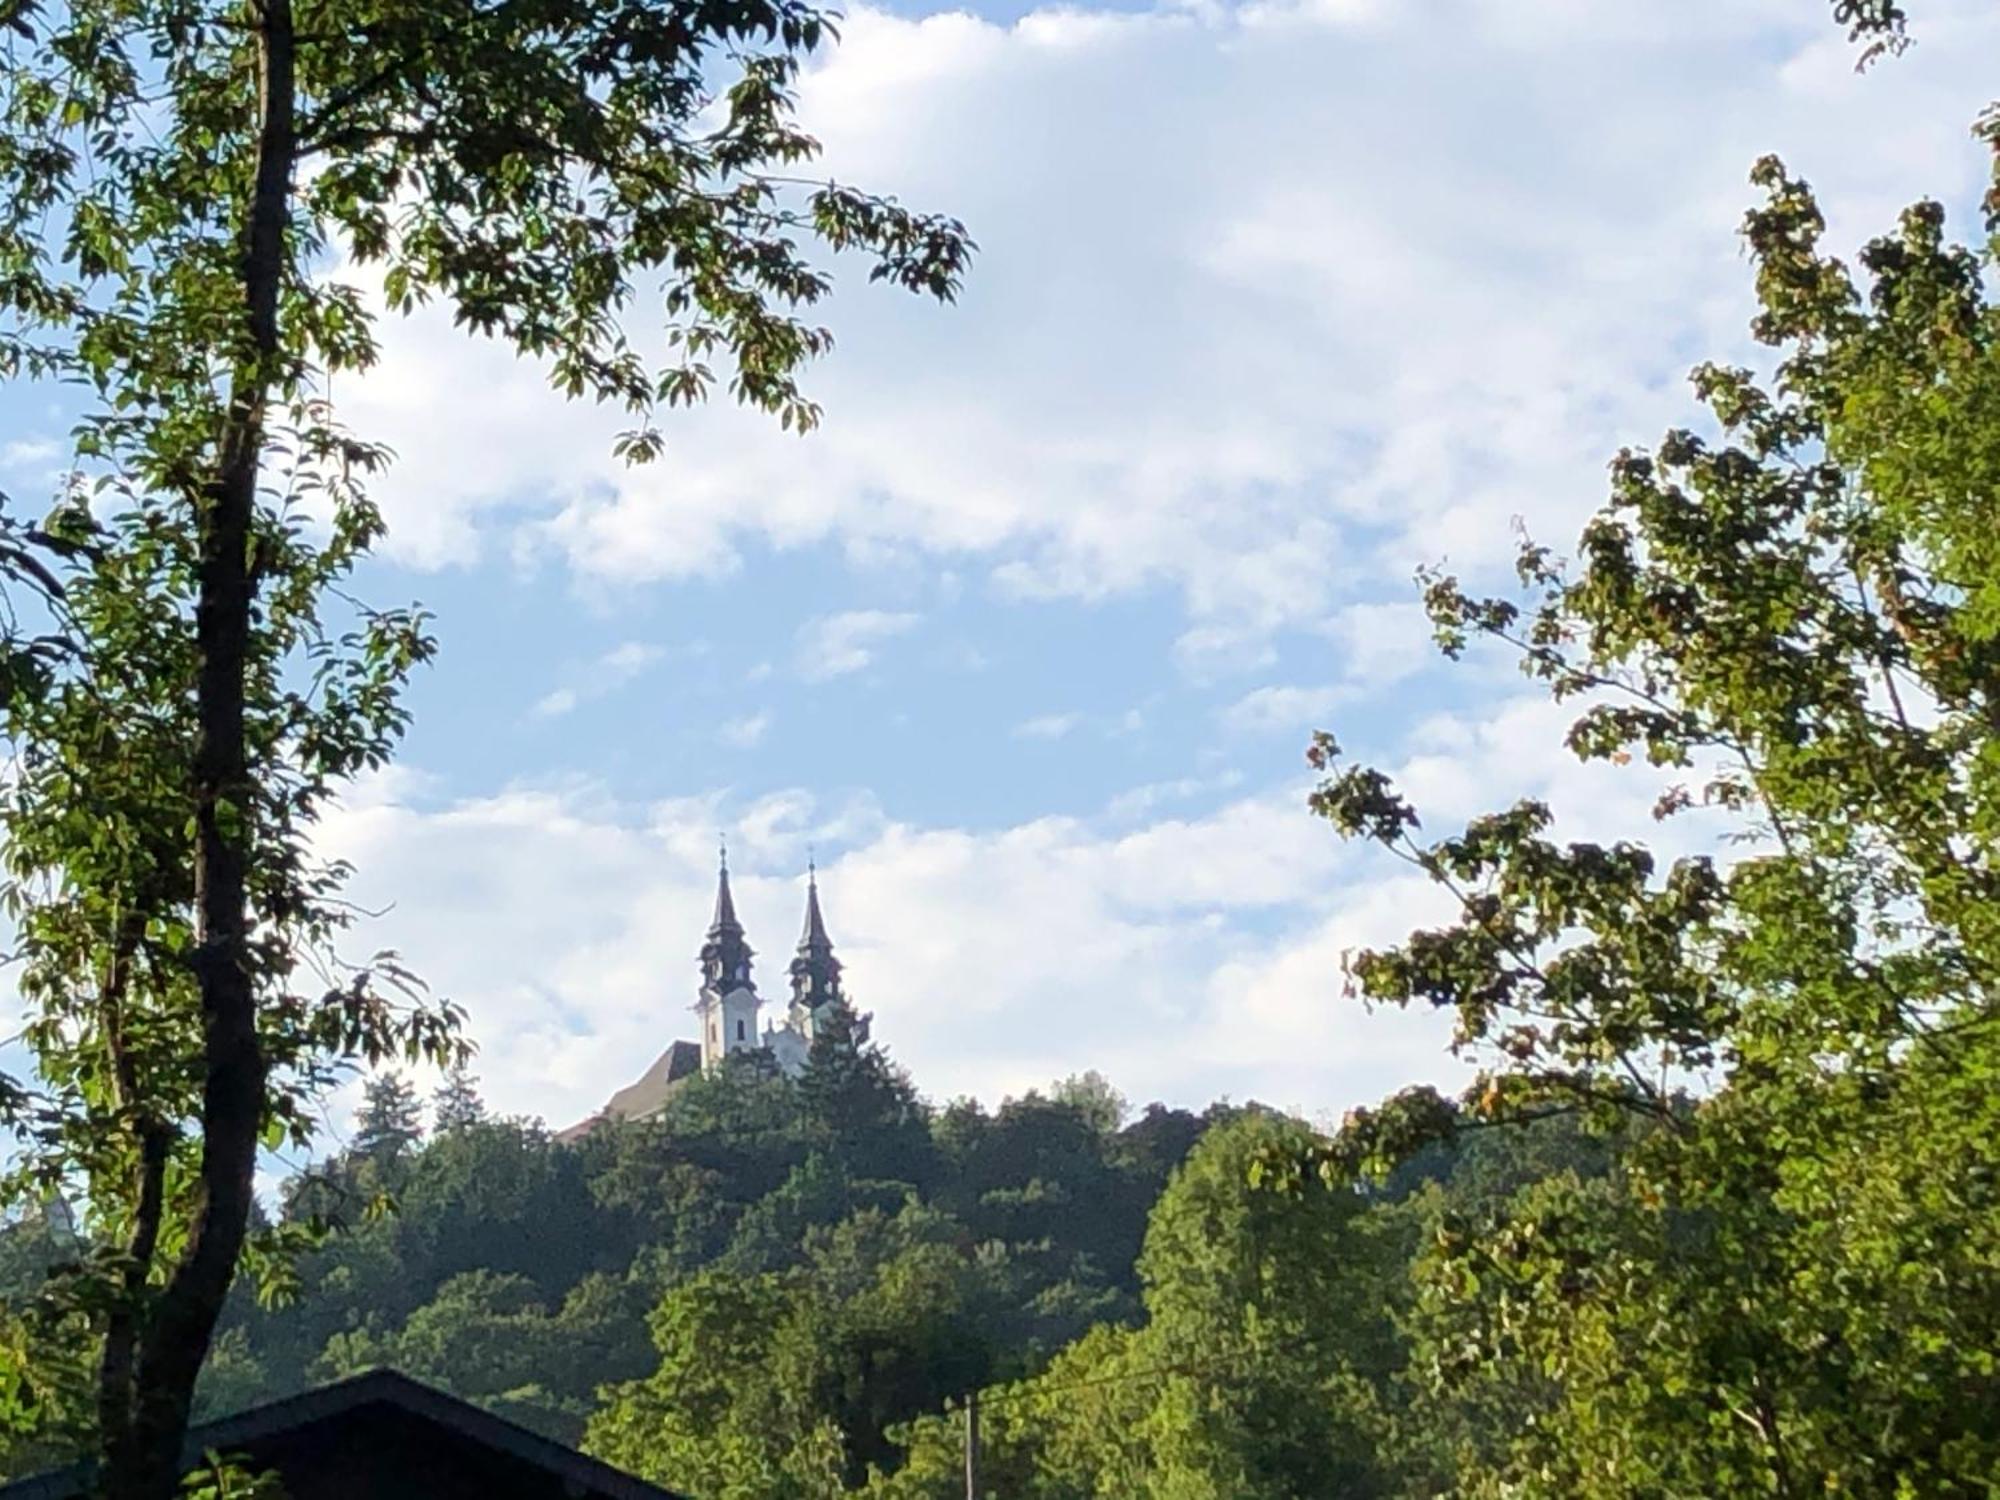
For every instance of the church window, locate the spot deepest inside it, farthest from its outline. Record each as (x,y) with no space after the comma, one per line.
(739,1031)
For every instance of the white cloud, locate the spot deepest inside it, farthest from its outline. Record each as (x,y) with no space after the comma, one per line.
(1184,956)
(1375,646)
(836,645)
(1379,644)
(745,733)
(567,926)
(606,674)
(1287,709)
(1141,800)
(1209,652)
(624,662)
(23,453)
(1288,295)
(1047,726)
(553,705)
(962,657)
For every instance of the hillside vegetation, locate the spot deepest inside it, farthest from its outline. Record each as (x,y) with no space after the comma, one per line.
(781,1288)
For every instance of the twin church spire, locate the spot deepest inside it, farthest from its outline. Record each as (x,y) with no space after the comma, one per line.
(727,1010)
(729,1001)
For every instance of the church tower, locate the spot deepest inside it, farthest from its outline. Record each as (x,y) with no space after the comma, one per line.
(727,1007)
(727,1011)
(815,971)
(815,975)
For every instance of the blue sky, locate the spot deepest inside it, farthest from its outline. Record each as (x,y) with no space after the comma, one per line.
(1275,302)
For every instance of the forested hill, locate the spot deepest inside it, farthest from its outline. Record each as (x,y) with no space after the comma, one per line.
(780,1289)
(523,1272)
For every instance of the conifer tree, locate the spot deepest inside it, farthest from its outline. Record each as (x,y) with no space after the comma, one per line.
(853,1097)
(845,1085)
(457,1103)
(390,1121)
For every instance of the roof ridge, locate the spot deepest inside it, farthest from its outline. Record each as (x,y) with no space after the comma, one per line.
(378,1386)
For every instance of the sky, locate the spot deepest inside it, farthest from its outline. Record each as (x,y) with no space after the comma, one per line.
(1275,302)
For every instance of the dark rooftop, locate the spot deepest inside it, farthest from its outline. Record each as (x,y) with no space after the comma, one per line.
(387,1437)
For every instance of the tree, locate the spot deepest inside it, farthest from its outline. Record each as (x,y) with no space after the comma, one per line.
(1255,1375)
(457,1104)
(741,1119)
(490,1338)
(1092,1095)
(1803,618)
(784,1385)
(1045,1179)
(1883,25)
(715,1417)
(390,1122)
(859,1104)
(1161,1138)
(772,1231)
(500,1196)
(202,164)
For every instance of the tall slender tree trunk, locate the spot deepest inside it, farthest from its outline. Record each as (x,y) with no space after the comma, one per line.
(117,1366)
(175,1341)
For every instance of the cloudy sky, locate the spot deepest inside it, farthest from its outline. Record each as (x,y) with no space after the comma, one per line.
(1275,301)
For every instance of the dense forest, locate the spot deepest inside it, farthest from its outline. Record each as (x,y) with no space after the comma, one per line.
(778,1287)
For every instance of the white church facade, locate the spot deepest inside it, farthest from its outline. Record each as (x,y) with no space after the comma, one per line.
(729,1011)
(728,1006)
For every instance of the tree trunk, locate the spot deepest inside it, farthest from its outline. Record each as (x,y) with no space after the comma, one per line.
(117,1368)
(176,1338)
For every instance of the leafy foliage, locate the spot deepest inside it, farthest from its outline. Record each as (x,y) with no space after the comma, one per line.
(1719,1218)
(1789,1281)
(1882,25)
(202,199)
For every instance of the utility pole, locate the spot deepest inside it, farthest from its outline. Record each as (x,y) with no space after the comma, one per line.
(972,1445)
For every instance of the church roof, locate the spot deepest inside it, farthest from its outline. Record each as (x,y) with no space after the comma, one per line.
(725,964)
(637,1100)
(645,1095)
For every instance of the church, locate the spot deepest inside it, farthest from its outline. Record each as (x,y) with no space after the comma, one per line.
(727,1009)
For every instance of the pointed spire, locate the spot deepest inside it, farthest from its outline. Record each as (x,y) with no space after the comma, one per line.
(725,957)
(725,904)
(814,937)
(815,971)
